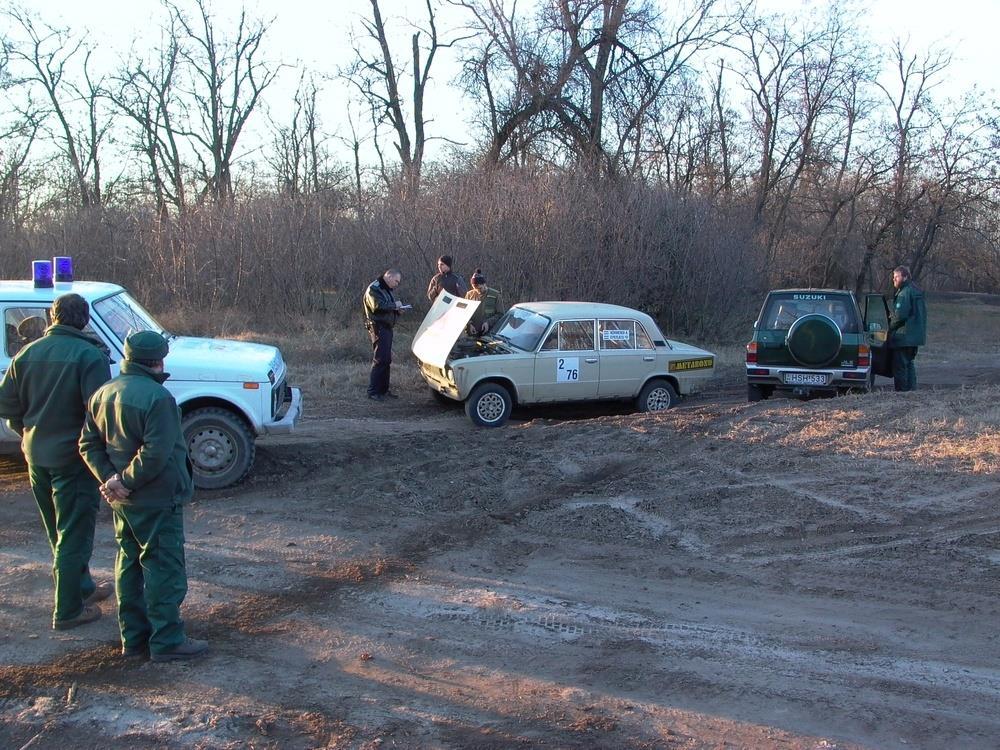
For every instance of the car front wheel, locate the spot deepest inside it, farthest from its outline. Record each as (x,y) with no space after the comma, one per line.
(489,405)
(656,395)
(220,446)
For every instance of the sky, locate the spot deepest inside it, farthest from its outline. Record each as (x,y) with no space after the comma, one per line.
(317,34)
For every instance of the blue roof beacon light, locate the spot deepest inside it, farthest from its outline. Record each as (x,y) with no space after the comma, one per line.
(41,273)
(63,266)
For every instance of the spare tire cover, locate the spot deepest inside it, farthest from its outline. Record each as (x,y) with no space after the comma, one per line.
(814,340)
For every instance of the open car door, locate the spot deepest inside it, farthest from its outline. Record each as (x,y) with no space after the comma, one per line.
(877,327)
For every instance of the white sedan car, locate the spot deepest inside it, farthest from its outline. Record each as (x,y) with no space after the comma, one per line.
(552,352)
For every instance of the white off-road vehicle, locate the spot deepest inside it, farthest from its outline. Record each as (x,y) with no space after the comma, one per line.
(229,392)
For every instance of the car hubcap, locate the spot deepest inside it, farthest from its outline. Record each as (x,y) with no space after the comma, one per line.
(658,399)
(490,407)
(211,450)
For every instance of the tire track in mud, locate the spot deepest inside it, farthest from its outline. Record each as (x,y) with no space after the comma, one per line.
(253,613)
(558,622)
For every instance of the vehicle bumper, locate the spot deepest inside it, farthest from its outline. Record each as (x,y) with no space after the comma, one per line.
(439,381)
(775,377)
(290,418)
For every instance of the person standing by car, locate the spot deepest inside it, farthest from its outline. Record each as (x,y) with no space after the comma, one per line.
(133,442)
(445,280)
(490,309)
(44,395)
(381,310)
(908,328)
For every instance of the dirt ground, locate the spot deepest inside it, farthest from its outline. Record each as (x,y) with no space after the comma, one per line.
(783,574)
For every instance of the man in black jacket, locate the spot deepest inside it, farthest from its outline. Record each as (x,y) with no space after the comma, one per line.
(381,311)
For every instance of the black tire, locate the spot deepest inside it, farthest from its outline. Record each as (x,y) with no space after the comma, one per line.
(755,393)
(656,395)
(489,405)
(220,445)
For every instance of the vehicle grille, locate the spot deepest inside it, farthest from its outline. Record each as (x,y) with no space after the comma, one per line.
(278,397)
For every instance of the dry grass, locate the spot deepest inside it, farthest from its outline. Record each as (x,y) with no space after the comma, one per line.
(956,430)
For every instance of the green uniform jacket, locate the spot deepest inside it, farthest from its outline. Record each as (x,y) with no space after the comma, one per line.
(133,429)
(909,316)
(490,307)
(45,392)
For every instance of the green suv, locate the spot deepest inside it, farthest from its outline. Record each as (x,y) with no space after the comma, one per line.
(810,342)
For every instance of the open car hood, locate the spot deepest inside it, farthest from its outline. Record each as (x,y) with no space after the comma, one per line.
(443,324)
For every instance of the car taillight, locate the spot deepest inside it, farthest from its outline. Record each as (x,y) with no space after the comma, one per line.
(864,355)
(752,353)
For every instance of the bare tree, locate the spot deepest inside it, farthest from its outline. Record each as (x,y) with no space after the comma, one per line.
(45,58)
(226,77)
(147,94)
(910,104)
(377,76)
(580,65)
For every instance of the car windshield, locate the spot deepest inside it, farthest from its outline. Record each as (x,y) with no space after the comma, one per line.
(123,315)
(783,310)
(521,328)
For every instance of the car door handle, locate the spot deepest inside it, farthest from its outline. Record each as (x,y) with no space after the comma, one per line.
(649,359)
(590,360)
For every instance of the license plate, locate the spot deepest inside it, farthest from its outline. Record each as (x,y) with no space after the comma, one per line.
(805,378)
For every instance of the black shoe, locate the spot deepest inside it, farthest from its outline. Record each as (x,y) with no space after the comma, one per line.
(376,396)
(187,650)
(89,614)
(102,592)
(136,652)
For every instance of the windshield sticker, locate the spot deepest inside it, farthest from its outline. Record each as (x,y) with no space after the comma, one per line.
(691,364)
(809,296)
(567,369)
(616,334)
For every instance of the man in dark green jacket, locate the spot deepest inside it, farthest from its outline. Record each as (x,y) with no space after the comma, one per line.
(908,328)
(132,441)
(44,395)
(491,308)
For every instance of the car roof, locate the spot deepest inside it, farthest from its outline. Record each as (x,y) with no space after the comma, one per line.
(26,291)
(571,310)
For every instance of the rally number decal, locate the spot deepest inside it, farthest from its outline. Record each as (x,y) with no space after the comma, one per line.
(567,370)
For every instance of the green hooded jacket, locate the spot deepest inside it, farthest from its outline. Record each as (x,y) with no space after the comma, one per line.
(133,429)
(45,391)
(909,316)
(490,310)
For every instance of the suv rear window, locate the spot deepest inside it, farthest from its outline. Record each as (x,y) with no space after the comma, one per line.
(782,310)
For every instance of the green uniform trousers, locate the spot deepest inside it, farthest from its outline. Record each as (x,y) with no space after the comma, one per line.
(150,576)
(68,499)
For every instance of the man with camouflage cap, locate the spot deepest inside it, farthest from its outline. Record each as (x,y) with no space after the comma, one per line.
(133,443)
(44,396)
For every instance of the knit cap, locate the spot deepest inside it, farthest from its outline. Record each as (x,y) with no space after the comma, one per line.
(146,345)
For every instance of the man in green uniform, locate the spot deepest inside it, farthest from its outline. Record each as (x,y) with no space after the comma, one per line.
(133,443)
(490,309)
(908,328)
(44,395)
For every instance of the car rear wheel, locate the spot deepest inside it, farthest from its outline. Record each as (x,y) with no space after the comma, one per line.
(489,405)
(220,446)
(656,395)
